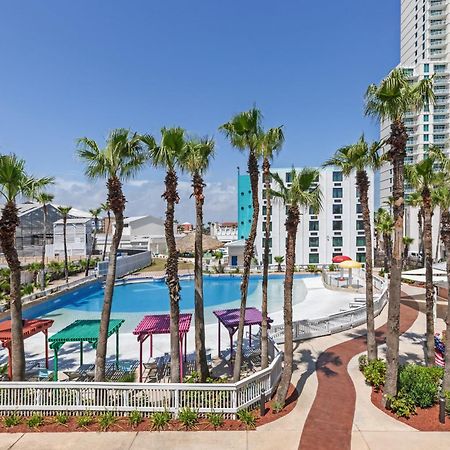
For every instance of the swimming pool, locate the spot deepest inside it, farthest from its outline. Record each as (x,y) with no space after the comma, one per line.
(133,300)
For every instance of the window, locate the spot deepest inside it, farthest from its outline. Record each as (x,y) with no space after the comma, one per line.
(337,192)
(360,241)
(337,241)
(288,177)
(426,117)
(358,208)
(313,241)
(357,193)
(361,257)
(242,208)
(337,209)
(242,193)
(337,176)
(426,127)
(426,68)
(426,137)
(312,211)
(264,210)
(337,254)
(359,225)
(263,228)
(314,258)
(313,225)
(337,225)
(264,242)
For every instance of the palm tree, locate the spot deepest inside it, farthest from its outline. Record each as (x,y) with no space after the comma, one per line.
(121,158)
(94,213)
(271,142)
(414,199)
(407,241)
(64,211)
(442,199)
(279,260)
(390,101)
(244,132)
(358,158)
(424,177)
(106,209)
(218,255)
(44,199)
(195,160)
(168,154)
(15,182)
(384,225)
(303,193)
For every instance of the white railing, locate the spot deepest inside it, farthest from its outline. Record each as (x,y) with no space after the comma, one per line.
(51,398)
(334,323)
(126,264)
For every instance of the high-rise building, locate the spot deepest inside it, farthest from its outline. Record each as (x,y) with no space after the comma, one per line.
(245,206)
(425,51)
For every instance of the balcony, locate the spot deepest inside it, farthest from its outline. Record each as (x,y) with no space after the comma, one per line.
(437,138)
(436,3)
(440,119)
(441,100)
(440,32)
(437,13)
(441,89)
(437,23)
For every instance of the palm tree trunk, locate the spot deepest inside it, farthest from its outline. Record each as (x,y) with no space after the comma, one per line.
(438,240)
(386,252)
(94,239)
(363,187)
(429,290)
(445,236)
(8,224)
(66,265)
(291,228)
(265,281)
(397,140)
(106,236)
(44,242)
(171,197)
(200,349)
(420,221)
(248,255)
(117,201)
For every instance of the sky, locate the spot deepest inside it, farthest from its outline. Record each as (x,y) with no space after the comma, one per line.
(82,68)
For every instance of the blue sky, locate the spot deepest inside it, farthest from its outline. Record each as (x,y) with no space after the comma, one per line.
(82,68)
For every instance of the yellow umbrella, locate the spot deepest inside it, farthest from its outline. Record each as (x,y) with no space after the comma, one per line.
(350,264)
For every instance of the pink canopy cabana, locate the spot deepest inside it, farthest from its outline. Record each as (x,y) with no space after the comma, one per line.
(229,318)
(160,324)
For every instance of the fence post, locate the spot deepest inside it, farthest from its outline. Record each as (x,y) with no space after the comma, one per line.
(442,409)
(177,402)
(262,404)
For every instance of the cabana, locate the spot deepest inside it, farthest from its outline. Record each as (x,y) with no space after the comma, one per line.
(160,324)
(29,328)
(83,331)
(229,318)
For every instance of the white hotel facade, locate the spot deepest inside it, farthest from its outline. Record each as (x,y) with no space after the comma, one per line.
(336,230)
(425,51)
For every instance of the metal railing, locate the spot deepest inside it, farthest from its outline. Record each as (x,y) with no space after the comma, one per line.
(334,323)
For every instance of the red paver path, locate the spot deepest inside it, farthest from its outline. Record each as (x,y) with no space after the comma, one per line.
(330,420)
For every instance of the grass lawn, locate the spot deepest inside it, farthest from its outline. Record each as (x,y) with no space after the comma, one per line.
(159,265)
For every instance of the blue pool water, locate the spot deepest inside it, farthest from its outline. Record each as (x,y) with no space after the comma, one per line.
(132,300)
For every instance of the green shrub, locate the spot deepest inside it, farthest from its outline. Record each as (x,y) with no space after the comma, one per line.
(160,420)
(85,420)
(12,420)
(247,418)
(420,383)
(277,407)
(35,421)
(215,419)
(447,402)
(188,418)
(375,373)
(62,419)
(106,420)
(403,405)
(332,267)
(362,362)
(129,377)
(135,418)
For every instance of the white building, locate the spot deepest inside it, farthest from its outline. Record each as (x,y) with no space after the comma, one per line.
(224,232)
(336,230)
(78,238)
(424,52)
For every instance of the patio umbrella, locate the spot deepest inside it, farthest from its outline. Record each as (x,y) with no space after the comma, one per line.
(341,258)
(187,243)
(350,264)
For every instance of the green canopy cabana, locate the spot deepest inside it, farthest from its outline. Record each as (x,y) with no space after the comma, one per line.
(82,331)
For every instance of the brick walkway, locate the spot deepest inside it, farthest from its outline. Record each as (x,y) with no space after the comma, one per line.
(329,422)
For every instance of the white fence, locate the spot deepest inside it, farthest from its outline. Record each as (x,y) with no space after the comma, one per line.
(122,398)
(334,323)
(126,264)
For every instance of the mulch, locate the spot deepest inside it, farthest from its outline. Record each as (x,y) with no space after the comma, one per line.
(122,422)
(426,419)
(330,419)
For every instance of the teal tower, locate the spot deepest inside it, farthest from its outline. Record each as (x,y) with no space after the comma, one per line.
(245,207)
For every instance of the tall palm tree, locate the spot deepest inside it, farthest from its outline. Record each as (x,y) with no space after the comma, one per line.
(168,155)
(303,193)
(64,211)
(424,177)
(94,213)
(271,142)
(407,241)
(359,158)
(15,182)
(414,199)
(44,199)
(279,260)
(384,225)
(390,101)
(442,199)
(107,210)
(120,159)
(195,160)
(244,132)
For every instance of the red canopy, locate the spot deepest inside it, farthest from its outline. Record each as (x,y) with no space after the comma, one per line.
(341,258)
